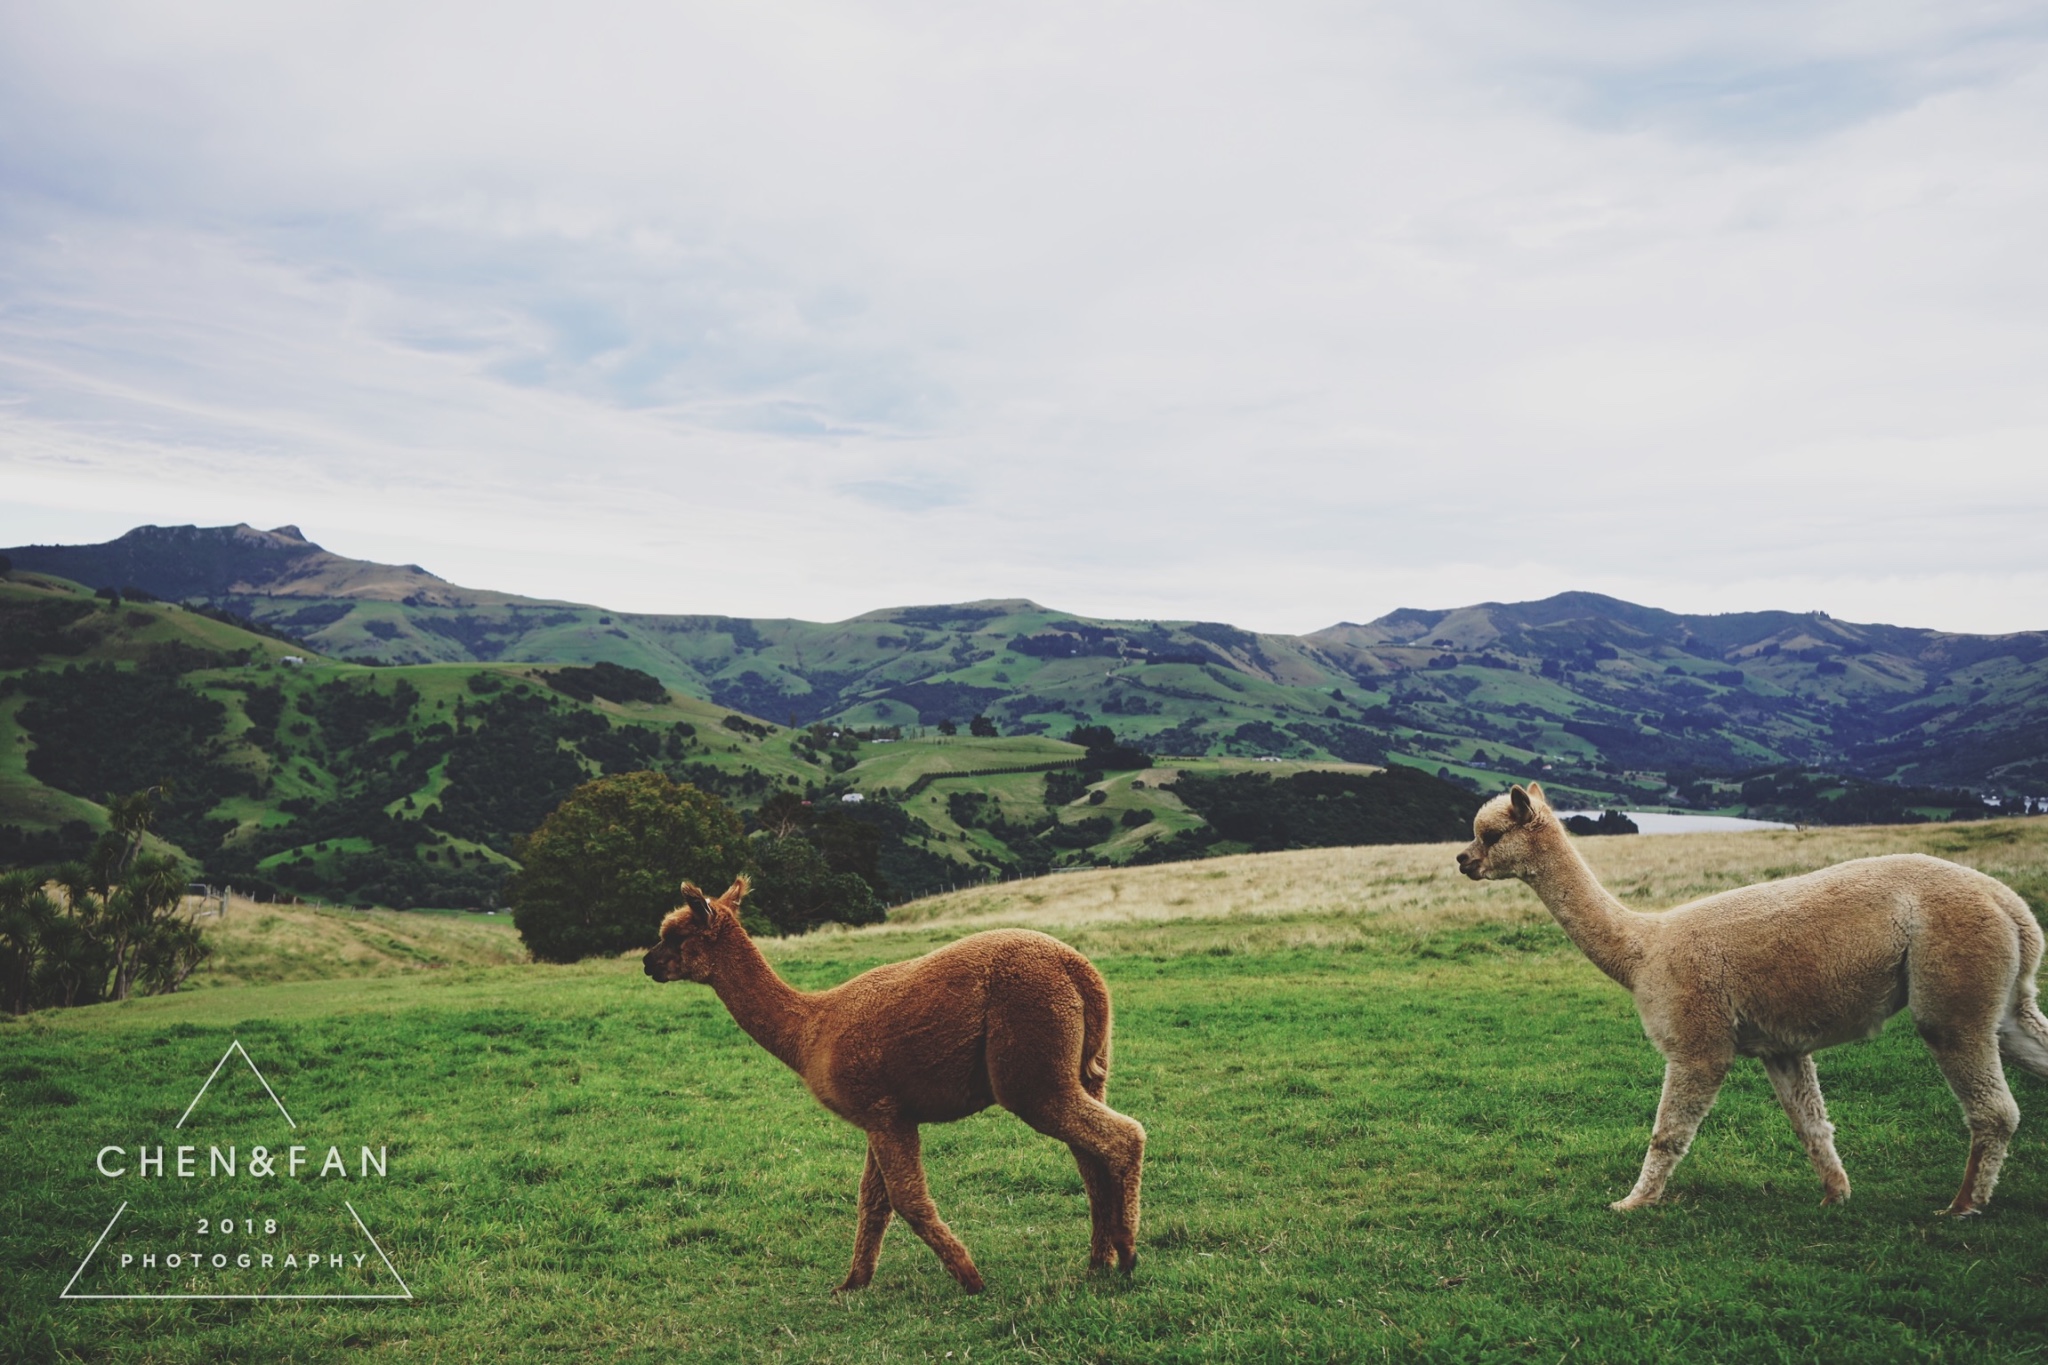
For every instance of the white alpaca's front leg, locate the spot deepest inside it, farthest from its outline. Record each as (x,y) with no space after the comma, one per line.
(1798,1087)
(1690,1088)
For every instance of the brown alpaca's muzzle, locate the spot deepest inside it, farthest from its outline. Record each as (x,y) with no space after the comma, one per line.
(662,963)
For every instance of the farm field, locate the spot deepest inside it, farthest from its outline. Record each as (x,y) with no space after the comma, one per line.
(257,944)
(1386,1109)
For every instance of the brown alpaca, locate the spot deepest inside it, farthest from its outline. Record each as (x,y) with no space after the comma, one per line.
(1007,1017)
(1784,969)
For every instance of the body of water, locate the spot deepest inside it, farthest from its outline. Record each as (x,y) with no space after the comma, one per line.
(1661,822)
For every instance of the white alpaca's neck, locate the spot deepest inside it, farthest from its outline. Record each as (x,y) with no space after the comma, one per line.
(1607,932)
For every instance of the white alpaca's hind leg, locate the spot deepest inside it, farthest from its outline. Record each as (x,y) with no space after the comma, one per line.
(1798,1087)
(1690,1089)
(1978,1081)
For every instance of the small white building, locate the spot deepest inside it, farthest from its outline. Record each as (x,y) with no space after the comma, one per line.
(852,799)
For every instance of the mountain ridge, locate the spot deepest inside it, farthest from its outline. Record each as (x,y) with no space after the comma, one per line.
(1628,700)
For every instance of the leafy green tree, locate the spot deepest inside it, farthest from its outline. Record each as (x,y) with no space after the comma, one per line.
(797,890)
(602,870)
(113,930)
(26,915)
(131,928)
(982,726)
(947,727)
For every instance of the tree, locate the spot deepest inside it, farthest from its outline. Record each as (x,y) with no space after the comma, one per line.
(798,890)
(26,915)
(602,870)
(947,727)
(982,726)
(1106,751)
(1610,822)
(133,912)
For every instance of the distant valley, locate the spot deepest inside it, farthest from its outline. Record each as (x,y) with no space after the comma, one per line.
(370,732)
(1615,701)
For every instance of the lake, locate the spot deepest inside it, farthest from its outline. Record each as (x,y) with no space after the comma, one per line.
(1663,822)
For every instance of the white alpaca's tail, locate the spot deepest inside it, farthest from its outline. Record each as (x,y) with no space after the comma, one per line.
(2023,1033)
(2023,1036)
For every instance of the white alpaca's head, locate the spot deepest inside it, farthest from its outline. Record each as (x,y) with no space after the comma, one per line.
(1504,834)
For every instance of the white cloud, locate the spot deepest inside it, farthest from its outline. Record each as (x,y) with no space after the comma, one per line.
(1278,315)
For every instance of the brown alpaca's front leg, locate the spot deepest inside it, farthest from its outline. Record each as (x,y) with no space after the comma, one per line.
(1690,1088)
(874,1222)
(901,1158)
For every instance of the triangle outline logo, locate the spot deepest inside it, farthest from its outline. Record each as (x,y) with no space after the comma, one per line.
(233,1048)
(405,1293)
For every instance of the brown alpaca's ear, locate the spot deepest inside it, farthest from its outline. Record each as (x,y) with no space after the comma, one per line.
(736,893)
(1519,805)
(700,909)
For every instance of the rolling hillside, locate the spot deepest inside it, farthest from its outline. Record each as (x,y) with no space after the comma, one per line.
(1607,701)
(410,785)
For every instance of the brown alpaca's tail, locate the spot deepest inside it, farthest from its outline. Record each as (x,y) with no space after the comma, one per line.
(1094,1025)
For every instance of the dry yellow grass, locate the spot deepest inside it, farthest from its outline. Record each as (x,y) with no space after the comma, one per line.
(1390,896)
(255,944)
(1328,898)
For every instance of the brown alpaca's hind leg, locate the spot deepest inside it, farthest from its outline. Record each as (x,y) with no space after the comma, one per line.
(899,1153)
(1103,1199)
(1035,1070)
(1116,1144)
(1978,1081)
(1798,1087)
(874,1222)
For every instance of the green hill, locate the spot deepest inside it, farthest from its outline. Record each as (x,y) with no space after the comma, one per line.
(292,773)
(1609,702)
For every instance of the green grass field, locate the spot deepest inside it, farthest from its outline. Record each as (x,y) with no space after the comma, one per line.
(1387,1110)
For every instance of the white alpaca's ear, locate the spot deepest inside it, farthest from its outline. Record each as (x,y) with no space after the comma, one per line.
(1519,805)
(1536,795)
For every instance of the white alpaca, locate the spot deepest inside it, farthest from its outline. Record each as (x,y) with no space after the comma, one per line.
(1782,970)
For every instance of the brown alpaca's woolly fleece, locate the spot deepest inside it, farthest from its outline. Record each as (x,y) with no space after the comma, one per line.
(1009,1017)
(1781,970)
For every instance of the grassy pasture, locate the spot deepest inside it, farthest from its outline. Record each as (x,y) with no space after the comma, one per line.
(255,944)
(1387,1109)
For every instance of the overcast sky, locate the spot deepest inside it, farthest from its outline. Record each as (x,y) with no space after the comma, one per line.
(1272,313)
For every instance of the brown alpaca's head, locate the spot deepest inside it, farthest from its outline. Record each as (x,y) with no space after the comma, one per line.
(689,933)
(1504,834)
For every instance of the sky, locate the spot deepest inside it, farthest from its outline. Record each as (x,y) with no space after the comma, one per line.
(1278,314)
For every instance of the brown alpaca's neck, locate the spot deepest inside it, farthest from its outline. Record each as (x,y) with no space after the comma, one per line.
(1607,932)
(774,1013)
